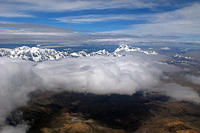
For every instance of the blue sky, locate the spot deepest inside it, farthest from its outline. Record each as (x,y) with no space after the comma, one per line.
(75,22)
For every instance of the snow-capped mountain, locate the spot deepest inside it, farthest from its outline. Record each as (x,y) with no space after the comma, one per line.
(181,59)
(79,54)
(100,52)
(33,54)
(40,54)
(123,49)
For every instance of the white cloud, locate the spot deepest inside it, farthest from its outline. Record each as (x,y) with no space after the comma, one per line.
(18,129)
(16,81)
(11,33)
(181,25)
(22,8)
(165,48)
(181,22)
(98,18)
(9,9)
(99,75)
(64,5)
(17,15)
(179,93)
(30,33)
(193,79)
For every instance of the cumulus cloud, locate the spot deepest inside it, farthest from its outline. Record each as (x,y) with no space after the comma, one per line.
(99,75)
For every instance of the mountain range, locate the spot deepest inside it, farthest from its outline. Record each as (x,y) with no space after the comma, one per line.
(43,54)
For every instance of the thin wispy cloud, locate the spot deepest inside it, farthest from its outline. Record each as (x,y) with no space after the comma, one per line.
(40,34)
(24,8)
(182,21)
(29,33)
(67,5)
(98,18)
(126,21)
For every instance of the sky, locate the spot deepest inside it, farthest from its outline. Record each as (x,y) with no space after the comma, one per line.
(77,22)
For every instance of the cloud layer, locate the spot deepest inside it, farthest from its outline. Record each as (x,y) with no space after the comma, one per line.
(16,81)
(178,25)
(21,8)
(179,93)
(193,79)
(99,75)
(18,129)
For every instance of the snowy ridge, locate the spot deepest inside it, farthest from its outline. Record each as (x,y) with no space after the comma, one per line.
(33,54)
(123,49)
(181,59)
(40,54)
